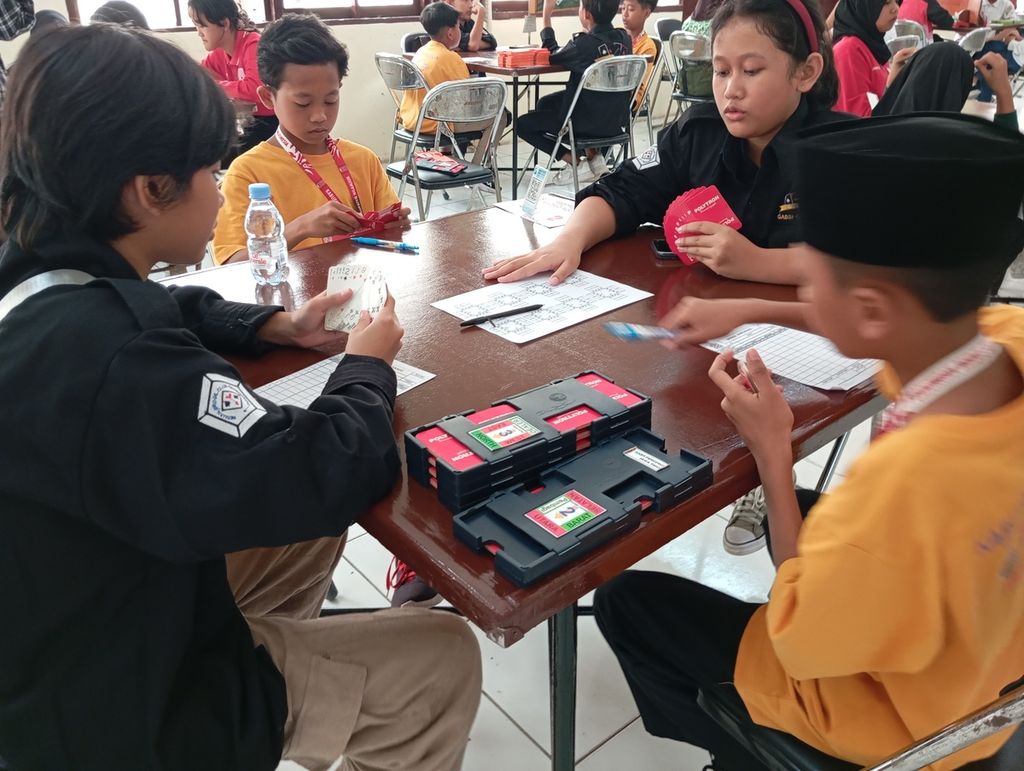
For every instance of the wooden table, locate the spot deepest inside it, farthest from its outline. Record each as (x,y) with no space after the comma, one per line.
(474,368)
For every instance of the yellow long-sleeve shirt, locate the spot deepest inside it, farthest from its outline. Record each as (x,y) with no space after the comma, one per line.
(904,607)
(292,191)
(438,65)
(644,46)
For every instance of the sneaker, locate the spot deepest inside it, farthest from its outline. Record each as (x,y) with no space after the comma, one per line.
(599,166)
(409,588)
(1013,281)
(745,532)
(584,174)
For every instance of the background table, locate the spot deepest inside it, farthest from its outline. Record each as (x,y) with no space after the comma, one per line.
(474,368)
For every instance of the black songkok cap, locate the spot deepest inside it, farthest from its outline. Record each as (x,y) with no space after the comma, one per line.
(921,190)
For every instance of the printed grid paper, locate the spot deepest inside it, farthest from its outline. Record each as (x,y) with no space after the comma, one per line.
(580,297)
(800,356)
(301,388)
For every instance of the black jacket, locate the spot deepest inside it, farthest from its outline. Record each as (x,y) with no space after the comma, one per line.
(122,647)
(487,40)
(597,115)
(698,150)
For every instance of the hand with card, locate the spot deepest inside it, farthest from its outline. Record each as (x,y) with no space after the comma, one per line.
(331,219)
(369,292)
(304,328)
(700,226)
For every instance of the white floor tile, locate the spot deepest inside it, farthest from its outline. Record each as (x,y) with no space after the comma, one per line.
(636,750)
(858,443)
(370,559)
(497,744)
(699,556)
(354,590)
(516,678)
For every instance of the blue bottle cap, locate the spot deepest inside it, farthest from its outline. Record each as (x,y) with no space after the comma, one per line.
(259,191)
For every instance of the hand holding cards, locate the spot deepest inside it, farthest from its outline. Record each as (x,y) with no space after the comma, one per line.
(369,293)
(370,222)
(702,204)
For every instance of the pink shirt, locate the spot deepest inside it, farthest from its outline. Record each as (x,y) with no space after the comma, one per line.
(859,74)
(915,10)
(238,75)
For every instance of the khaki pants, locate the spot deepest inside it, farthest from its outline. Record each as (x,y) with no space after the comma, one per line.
(395,689)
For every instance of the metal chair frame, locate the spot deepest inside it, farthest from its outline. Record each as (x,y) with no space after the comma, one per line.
(458,101)
(614,74)
(975,40)
(904,27)
(646,108)
(687,48)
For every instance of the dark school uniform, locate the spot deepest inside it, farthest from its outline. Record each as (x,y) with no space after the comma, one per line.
(596,114)
(134,460)
(487,40)
(698,150)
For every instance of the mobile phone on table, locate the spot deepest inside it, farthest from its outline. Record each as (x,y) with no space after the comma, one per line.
(661,249)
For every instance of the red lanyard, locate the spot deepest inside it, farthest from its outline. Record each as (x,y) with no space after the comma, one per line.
(938,380)
(314,175)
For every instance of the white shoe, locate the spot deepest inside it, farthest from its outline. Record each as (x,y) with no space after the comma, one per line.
(599,166)
(1013,281)
(583,173)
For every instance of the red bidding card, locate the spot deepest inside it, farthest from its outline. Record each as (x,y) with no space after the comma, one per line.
(702,204)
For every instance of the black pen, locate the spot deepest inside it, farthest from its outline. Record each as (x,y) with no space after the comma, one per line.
(500,315)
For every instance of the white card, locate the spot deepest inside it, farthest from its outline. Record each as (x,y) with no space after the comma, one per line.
(369,293)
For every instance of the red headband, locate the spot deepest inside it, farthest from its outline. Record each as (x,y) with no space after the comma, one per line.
(805,17)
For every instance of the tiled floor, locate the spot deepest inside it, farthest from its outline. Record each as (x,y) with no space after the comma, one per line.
(511,732)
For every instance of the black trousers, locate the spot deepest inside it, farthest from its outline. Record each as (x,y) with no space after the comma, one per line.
(672,637)
(547,117)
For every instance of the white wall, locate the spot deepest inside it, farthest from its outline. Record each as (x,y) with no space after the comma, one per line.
(366,108)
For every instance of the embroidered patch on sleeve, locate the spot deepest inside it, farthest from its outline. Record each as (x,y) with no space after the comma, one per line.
(647,159)
(228,406)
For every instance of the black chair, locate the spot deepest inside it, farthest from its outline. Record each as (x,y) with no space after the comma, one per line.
(782,752)
(414,41)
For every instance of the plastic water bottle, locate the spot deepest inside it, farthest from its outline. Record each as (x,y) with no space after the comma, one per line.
(268,250)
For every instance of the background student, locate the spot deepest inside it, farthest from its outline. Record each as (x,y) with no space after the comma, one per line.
(595,114)
(935,78)
(232,40)
(302,64)
(148,472)
(438,63)
(120,12)
(774,77)
(635,14)
(898,606)
(471,26)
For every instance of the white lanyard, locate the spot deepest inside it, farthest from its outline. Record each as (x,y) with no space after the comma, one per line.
(38,283)
(938,380)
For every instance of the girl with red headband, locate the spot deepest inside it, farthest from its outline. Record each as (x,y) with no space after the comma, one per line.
(772,77)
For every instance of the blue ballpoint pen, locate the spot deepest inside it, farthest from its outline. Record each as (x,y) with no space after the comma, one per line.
(398,246)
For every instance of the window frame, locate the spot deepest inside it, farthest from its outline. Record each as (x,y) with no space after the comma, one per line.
(364,13)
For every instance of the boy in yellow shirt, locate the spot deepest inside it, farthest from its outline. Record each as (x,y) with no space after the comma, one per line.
(319,185)
(438,63)
(635,14)
(898,606)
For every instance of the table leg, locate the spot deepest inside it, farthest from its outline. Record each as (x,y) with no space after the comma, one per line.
(515,137)
(833,461)
(562,668)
